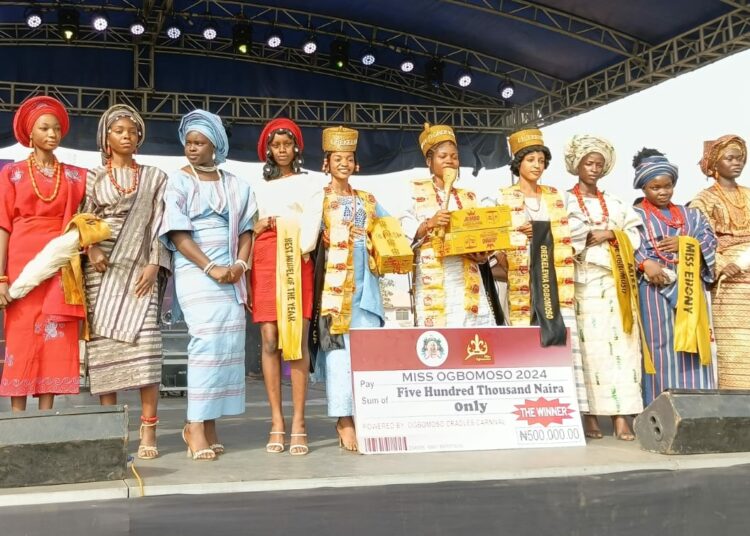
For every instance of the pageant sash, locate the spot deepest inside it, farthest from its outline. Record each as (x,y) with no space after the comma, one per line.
(626,287)
(289,288)
(544,298)
(691,332)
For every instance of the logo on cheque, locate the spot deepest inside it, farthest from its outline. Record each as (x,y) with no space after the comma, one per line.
(432,348)
(478,350)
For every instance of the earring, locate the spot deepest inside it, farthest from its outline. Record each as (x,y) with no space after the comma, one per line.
(31,141)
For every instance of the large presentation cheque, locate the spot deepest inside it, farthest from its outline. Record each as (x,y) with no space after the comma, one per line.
(426,390)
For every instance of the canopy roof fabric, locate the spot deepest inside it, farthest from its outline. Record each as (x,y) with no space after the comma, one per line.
(563,57)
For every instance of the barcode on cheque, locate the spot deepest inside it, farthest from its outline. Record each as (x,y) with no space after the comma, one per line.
(385,444)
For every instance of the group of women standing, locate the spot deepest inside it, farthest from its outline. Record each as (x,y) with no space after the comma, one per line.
(301,260)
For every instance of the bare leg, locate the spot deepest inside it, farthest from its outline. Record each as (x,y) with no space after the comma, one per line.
(18,403)
(271,362)
(195,436)
(300,375)
(110,399)
(46,401)
(622,428)
(591,426)
(149,404)
(347,433)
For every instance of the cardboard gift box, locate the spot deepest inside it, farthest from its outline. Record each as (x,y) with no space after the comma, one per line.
(393,253)
(476,230)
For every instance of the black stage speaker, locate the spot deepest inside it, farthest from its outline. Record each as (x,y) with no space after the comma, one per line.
(682,421)
(63,446)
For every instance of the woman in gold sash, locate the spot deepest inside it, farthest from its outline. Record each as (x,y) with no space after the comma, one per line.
(347,287)
(725,204)
(529,202)
(600,224)
(449,291)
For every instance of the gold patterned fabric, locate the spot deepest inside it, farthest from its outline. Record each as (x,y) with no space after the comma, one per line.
(432,135)
(731,296)
(525,138)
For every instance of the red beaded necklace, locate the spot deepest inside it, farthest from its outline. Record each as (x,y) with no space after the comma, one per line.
(57,174)
(136,179)
(676,222)
(582,205)
(440,199)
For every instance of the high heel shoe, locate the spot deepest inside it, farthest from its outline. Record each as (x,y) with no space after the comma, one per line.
(298,449)
(351,447)
(275,447)
(147,452)
(202,455)
(622,435)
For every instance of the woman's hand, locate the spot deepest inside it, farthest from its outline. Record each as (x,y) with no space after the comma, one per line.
(671,244)
(479,258)
(264,224)
(730,270)
(249,302)
(98,259)
(146,280)
(595,238)
(5,298)
(220,274)
(655,274)
(235,274)
(440,219)
(526,229)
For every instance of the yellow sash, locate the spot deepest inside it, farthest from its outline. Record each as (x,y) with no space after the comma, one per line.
(288,288)
(431,261)
(691,330)
(519,291)
(338,283)
(626,287)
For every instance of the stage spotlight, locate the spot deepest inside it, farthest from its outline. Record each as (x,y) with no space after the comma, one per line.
(33,17)
(67,22)
(100,21)
(310,45)
(274,39)
(339,54)
(407,64)
(242,37)
(173,29)
(433,73)
(209,31)
(138,26)
(506,89)
(368,57)
(464,77)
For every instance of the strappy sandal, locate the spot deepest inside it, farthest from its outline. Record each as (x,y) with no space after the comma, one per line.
(275,447)
(298,449)
(351,447)
(202,455)
(622,435)
(218,448)
(147,452)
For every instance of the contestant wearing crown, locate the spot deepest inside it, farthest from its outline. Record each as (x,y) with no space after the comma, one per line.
(540,220)
(675,260)
(450,291)
(290,205)
(726,205)
(605,231)
(38,197)
(347,286)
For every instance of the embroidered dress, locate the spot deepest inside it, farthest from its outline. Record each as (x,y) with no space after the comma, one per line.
(353,216)
(548,207)
(215,213)
(731,296)
(676,370)
(42,355)
(449,291)
(125,350)
(611,357)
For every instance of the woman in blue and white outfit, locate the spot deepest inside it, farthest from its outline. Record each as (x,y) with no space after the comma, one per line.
(208,221)
(347,287)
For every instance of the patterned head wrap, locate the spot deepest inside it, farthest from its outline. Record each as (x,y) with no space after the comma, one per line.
(652,167)
(581,145)
(433,135)
(713,150)
(211,127)
(31,110)
(109,118)
(282,123)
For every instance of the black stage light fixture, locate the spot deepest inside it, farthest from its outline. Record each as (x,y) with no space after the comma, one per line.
(274,38)
(68,22)
(173,29)
(433,73)
(407,64)
(100,21)
(138,26)
(339,54)
(310,46)
(242,37)
(209,31)
(506,89)
(464,77)
(368,56)
(33,17)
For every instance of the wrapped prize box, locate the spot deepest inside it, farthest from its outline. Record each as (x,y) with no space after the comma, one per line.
(476,230)
(393,253)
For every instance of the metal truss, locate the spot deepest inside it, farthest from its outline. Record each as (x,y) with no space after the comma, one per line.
(696,48)
(263,16)
(561,22)
(163,106)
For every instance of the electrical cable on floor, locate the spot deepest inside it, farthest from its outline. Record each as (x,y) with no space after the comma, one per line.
(138,478)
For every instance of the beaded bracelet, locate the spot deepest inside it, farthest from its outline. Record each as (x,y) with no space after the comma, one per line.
(243,264)
(208,267)
(4,279)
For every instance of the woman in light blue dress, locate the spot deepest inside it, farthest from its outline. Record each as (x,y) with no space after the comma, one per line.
(208,221)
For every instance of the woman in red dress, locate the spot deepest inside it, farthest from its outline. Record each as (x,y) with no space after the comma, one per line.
(38,197)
